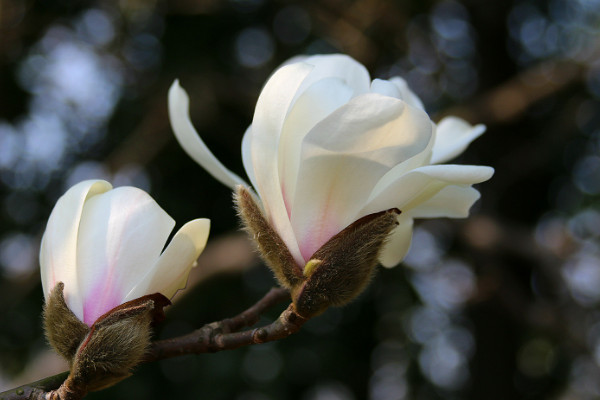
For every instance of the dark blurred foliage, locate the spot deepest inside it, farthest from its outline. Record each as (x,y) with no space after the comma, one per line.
(503,305)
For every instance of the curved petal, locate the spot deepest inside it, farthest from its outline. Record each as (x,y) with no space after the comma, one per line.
(339,66)
(452,202)
(385,88)
(171,270)
(316,103)
(398,243)
(272,108)
(121,235)
(247,156)
(58,252)
(191,142)
(453,136)
(415,161)
(410,190)
(344,156)
(406,94)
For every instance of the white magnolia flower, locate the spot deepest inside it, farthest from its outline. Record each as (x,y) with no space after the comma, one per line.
(328,146)
(105,245)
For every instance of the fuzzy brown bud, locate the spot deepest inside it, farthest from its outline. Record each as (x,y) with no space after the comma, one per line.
(336,273)
(341,269)
(116,343)
(64,330)
(105,353)
(270,246)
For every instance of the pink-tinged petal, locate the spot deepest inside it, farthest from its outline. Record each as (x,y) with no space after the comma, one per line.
(328,197)
(414,188)
(406,94)
(451,202)
(58,253)
(272,107)
(345,155)
(316,103)
(453,136)
(171,270)
(191,142)
(398,243)
(121,235)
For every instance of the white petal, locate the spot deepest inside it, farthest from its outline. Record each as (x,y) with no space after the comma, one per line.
(340,66)
(272,108)
(171,270)
(121,235)
(247,156)
(406,94)
(58,253)
(294,59)
(452,202)
(411,189)
(345,155)
(385,88)
(191,142)
(453,136)
(417,160)
(398,243)
(316,103)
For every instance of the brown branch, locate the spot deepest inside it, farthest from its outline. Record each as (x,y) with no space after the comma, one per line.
(213,337)
(224,335)
(35,390)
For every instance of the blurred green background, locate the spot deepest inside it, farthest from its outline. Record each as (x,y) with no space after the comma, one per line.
(504,305)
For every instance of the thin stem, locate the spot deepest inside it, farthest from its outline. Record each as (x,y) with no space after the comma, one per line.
(216,337)
(213,337)
(37,389)
(251,316)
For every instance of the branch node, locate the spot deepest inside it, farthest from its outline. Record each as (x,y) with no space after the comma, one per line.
(291,317)
(260,335)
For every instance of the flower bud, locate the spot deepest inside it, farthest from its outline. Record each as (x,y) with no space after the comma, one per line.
(341,269)
(106,246)
(105,353)
(106,275)
(270,246)
(64,330)
(117,342)
(336,273)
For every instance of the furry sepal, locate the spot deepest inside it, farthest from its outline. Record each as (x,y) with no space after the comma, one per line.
(270,246)
(336,273)
(341,269)
(103,354)
(117,342)
(64,330)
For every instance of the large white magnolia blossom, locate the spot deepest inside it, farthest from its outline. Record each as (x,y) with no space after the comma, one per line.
(328,146)
(105,245)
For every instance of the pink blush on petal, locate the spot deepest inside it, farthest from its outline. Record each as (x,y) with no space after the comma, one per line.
(314,239)
(306,248)
(101,299)
(322,228)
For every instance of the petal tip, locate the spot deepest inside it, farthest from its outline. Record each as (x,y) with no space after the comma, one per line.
(488,172)
(177,93)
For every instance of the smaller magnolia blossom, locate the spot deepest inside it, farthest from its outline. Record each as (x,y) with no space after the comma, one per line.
(106,247)
(106,279)
(331,153)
